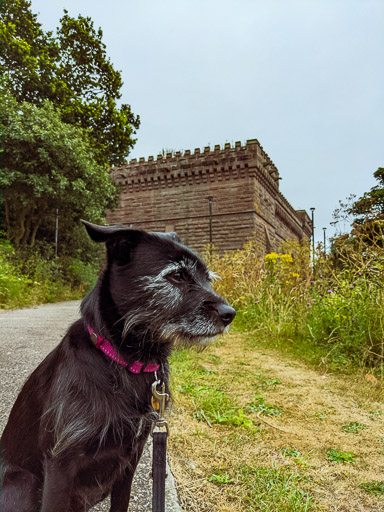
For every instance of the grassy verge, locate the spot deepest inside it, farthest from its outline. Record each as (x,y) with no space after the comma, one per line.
(254,430)
(35,280)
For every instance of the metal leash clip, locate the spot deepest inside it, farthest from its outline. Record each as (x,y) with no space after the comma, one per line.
(159,402)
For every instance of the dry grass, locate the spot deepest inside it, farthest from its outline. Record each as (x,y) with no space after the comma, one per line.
(278,462)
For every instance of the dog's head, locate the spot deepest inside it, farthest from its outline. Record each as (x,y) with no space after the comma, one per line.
(161,288)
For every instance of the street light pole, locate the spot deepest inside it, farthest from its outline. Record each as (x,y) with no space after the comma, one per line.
(57,232)
(313,234)
(210,219)
(325,239)
(210,198)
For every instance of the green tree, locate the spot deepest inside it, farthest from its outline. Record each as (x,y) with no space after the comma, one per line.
(28,54)
(366,216)
(368,213)
(92,88)
(370,206)
(47,165)
(72,70)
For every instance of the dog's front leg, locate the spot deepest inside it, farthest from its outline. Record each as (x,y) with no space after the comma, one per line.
(121,491)
(58,482)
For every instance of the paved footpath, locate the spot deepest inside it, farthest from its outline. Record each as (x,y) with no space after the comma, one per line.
(26,337)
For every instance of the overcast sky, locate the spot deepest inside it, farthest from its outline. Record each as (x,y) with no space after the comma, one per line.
(305,77)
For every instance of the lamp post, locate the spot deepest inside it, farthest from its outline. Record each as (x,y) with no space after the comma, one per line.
(313,234)
(325,239)
(210,198)
(57,231)
(210,219)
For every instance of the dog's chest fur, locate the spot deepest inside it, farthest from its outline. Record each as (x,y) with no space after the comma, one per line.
(95,404)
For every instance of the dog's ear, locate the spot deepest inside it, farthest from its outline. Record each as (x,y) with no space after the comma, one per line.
(119,239)
(103,233)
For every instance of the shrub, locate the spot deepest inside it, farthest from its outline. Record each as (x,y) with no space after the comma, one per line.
(30,279)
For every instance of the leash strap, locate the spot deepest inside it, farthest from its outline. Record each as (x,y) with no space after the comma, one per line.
(159,471)
(159,458)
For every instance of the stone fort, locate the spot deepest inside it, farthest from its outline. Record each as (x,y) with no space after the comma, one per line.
(230,194)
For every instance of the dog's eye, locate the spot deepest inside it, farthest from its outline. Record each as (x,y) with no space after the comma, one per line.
(176,277)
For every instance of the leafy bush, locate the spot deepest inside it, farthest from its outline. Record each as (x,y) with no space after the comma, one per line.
(34,280)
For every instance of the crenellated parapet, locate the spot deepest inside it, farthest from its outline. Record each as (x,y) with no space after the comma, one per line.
(170,192)
(179,168)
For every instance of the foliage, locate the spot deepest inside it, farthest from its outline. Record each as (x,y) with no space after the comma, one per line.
(220,479)
(28,54)
(371,205)
(340,456)
(290,452)
(92,89)
(342,216)
(259,405)
(47,165)
(353,427)
(36,281)
(331,314)
(71,69)
(365,214)
(375,487)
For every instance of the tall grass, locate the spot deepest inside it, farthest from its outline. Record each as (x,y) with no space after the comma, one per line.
(35,280)
(331,312)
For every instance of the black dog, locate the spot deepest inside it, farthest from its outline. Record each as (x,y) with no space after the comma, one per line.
(79,425)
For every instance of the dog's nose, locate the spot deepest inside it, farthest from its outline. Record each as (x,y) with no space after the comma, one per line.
(226,313)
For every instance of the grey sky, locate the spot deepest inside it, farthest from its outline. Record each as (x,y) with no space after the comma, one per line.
(305,77)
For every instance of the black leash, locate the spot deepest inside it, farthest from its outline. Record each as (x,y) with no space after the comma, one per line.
(159,458)
(159,471)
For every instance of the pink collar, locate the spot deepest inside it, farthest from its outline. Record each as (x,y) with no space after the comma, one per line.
(104,345)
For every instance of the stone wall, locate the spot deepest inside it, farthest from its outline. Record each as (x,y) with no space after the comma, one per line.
(171,194)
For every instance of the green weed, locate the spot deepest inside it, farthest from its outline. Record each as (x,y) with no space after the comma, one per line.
(211,402)
(259,404)
(299,459)
(290,452)
(376,488)
(235,418)
(273,382)
(340,456)
(220,479)
(353,427)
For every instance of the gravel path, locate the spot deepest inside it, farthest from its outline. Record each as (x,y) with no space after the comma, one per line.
(26,337)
